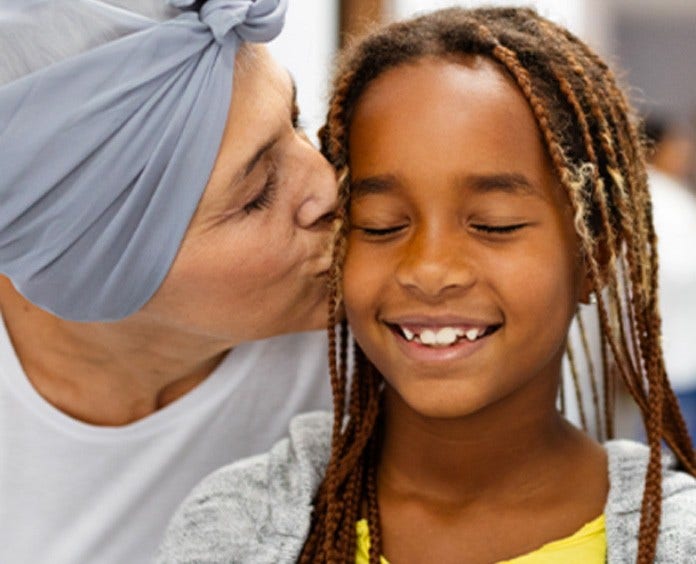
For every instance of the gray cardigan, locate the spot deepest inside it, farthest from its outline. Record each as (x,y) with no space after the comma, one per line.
(257,511)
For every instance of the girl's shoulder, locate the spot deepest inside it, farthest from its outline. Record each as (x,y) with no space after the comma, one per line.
(627,467)
(257,509)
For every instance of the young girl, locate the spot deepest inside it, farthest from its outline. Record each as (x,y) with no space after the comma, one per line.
(492,181)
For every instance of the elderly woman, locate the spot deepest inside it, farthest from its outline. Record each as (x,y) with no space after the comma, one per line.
(161,217)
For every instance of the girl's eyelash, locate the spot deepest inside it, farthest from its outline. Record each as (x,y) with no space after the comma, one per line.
(492,229)
(265,198)
(374,232)
(499,229)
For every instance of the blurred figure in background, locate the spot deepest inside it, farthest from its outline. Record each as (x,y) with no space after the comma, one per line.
(671,149)
(674,214)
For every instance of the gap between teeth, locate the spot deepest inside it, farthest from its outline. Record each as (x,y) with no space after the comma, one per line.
(444,336)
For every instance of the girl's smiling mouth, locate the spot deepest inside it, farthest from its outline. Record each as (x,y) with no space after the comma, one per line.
(440,339)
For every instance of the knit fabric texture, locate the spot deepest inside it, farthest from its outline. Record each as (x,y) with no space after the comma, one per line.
(258,510)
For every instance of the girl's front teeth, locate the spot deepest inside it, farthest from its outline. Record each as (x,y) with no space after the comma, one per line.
(442,337)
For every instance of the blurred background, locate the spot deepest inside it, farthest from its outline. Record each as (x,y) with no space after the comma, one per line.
(651,47)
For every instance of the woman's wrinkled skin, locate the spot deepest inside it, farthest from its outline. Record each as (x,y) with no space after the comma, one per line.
(251,266)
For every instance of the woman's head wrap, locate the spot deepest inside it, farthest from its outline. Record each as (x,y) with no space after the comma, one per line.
(105,155)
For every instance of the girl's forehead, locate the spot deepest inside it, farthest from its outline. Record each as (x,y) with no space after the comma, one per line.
(444,90)
(444,111)
(471,73)
(439,122)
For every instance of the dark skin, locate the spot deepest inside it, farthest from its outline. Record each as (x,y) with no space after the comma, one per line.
(459,222)
(447,489)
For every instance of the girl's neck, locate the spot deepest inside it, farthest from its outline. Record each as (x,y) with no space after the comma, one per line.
(508,452)
(495,484)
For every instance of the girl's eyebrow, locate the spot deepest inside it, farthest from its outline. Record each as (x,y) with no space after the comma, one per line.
(510,183)
(372,185)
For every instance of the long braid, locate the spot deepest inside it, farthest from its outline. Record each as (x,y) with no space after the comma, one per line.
(647,279)
(577,199)
(574,190)
(576,385)
(372,505)
(591,138)
(609,372)
(598,111)
(600,430)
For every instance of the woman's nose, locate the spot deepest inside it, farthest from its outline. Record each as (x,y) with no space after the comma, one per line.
(434,266)
(318,204)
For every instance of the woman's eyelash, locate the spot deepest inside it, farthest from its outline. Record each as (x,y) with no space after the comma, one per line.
(266,196)
(300,126)
(499,228)
(297,121)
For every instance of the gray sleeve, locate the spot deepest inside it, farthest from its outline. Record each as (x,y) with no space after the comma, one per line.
(222,519)
(677,540)
(256,511)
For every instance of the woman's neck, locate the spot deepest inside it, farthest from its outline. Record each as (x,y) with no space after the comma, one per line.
(105,373)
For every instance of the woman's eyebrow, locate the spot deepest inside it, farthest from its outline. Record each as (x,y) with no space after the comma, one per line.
(268,145)
(258,155)
(293,100)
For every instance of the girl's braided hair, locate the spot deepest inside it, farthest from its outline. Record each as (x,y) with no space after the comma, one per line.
(589,132)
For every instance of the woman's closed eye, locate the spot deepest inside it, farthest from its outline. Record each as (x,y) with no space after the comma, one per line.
(298,123)
(266,196)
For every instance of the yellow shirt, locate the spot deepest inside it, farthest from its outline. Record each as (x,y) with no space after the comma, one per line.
(586,546)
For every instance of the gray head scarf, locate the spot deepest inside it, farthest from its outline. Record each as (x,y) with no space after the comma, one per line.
(104,155)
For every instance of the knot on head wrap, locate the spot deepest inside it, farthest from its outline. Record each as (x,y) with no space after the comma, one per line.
(104,157)
(252,20)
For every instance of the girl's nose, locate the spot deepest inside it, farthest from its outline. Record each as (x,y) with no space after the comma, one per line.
(433,267)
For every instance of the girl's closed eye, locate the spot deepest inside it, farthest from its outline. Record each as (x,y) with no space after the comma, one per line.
(375,220)
(377,232)
(498,229)
(266,196)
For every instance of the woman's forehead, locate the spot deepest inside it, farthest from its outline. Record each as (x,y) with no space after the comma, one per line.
(257,76)
(260,112)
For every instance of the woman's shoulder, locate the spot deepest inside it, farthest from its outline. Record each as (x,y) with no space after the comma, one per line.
(627,467)
(257,509)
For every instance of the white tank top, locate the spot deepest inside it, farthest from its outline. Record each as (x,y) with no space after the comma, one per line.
(73,493)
